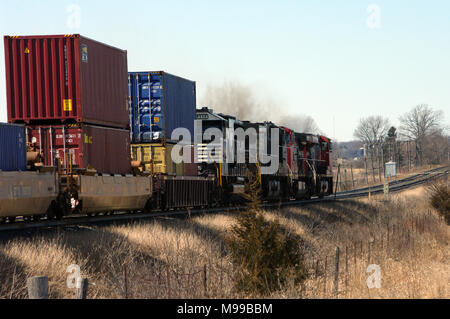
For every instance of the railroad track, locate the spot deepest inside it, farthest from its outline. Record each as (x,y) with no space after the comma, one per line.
(395,186)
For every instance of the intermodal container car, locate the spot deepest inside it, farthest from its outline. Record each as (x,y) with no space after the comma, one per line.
(13,152)
(83,146)
(60,79)
(160,102)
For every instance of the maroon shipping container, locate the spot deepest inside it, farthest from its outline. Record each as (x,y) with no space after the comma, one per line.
(105,149)
(65,79)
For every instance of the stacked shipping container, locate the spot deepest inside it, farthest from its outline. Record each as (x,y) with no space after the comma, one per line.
(159,103)
(13,155)
(59,84)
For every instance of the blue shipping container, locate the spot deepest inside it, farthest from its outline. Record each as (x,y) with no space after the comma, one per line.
(13,152)
(159,102)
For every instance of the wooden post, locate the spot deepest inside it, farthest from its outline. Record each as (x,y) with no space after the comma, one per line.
(37,287)
(336,272)
(205,283)
(82,291)
(353,180)
(337,180)
(325,276)
(168,282)
(354,257)
(125,279)
(387,238)
(317,268)
(346,267)
(365,166)
(345,179)
(373,167)
(379,162)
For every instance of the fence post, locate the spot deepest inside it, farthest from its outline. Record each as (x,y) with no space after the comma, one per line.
(317,268)
(361,255)
(125,280)
(205,283)
(37,287)
(346,268)
(325,276)
(387,238)
(353,180)
(83,289)
(169,289)
(336,271)
(354,257)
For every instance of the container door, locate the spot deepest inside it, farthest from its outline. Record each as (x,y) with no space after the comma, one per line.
(53,146)
(146,94)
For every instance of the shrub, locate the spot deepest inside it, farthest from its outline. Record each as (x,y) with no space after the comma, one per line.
(266,256)
(440,200)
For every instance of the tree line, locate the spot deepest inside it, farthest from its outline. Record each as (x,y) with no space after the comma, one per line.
(421,139)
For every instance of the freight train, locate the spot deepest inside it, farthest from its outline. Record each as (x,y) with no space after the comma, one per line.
(71,149)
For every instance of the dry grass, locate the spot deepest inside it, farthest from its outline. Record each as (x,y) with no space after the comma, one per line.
(414,259)
(166,258)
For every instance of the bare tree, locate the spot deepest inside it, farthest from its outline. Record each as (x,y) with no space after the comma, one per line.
(372,131)
(420,122)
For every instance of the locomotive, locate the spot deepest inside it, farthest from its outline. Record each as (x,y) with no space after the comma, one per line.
(302,160)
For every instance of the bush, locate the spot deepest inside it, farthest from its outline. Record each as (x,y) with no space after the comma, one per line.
(267,257)
(440,200)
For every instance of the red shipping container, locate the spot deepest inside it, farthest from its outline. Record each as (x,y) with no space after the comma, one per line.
(65,79)
(105,149)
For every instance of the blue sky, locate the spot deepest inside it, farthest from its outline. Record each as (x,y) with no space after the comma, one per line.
(318,58)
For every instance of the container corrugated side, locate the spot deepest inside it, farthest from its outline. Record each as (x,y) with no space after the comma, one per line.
(56,79)
(107,150)
(13,152)
(156,158)
(160,102)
